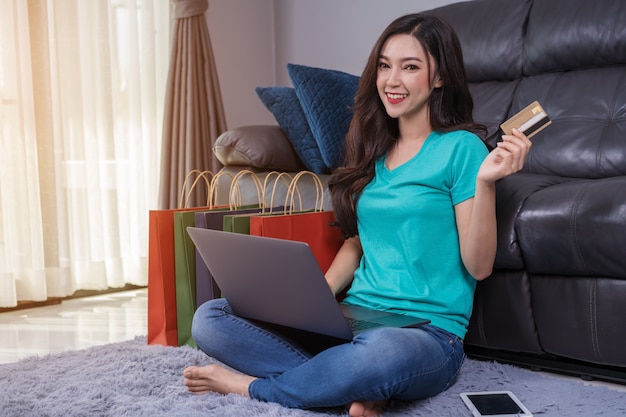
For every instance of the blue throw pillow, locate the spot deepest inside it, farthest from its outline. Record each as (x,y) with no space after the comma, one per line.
(283,103)
(327,97)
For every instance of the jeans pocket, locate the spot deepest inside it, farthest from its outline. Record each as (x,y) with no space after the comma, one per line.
(453,346)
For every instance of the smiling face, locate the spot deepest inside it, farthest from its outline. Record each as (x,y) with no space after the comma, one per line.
(406,77)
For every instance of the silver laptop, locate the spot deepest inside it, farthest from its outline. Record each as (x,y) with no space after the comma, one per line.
(279,282)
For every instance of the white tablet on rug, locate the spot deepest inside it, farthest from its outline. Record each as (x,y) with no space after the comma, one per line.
(495,404)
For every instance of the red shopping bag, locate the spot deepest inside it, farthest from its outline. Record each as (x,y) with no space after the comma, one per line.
(316,228)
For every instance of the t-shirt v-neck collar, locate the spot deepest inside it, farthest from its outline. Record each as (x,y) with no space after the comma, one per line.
(403,166)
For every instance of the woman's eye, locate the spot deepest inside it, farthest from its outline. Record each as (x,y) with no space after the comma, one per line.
(383,65)
(411,67)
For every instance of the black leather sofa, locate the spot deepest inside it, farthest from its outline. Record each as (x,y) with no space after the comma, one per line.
(557,297)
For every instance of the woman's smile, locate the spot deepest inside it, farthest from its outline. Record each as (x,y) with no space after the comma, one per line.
(395,98)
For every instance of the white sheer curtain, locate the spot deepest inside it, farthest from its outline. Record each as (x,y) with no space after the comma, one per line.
(82,88)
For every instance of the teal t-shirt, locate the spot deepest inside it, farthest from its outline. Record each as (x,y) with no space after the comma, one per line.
(411,260)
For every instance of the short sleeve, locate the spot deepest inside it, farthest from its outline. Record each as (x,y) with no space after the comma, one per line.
(467,156)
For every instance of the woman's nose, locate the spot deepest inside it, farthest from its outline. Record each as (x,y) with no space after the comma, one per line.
(393,78)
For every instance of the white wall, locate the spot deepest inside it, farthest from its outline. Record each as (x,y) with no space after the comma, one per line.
(242,36)
(253,40)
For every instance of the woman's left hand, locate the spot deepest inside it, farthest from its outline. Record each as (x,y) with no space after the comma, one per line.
(507,158)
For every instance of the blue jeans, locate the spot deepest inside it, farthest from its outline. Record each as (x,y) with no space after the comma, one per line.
(379,364)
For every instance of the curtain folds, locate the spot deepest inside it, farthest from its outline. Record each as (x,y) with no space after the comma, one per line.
(194,114)
(81,99)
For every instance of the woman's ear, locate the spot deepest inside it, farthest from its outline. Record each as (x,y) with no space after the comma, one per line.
(437,82)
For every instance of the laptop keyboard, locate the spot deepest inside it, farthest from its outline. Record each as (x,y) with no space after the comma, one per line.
(360,325)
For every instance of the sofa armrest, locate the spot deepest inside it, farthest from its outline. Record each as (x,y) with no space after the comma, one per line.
(263,147)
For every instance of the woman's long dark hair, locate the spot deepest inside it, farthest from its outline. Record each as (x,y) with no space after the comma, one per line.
(372,132)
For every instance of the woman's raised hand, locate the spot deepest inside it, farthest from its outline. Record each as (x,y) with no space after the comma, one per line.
(507,158)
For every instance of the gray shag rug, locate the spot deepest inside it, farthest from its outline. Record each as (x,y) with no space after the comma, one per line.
(134,379)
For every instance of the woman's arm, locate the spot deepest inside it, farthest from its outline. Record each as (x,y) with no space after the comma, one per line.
(476,217)
(347,260)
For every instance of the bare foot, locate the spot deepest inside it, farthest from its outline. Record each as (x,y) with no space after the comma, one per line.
(367,408)
(214,378)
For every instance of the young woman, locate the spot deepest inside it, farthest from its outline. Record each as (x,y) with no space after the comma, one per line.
(416,201)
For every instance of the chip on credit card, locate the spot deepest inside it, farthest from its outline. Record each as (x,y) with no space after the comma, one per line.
(530,120)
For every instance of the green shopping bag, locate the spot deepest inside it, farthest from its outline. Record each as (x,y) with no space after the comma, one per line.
(184,261)
(237,223)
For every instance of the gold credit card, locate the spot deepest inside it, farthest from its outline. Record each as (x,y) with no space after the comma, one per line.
(530,120)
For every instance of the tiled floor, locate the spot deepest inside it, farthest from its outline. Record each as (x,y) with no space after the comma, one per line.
(74,324)
(84,322)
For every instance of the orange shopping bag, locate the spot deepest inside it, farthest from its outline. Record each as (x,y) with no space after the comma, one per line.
(162,322)
(316,228)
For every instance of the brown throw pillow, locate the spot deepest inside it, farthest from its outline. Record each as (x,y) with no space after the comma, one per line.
(264,147)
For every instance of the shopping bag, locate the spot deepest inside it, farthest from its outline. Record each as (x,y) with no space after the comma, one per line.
(185,275)
(317,228)
(237,223)
(162,314)
(162,328)
(240,222)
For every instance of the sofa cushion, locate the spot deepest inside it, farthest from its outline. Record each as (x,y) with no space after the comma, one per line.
(564,36)
(511,195)
(491,33)
(492,100)
(588,112)
(575,228)
(498,323)
(283,103)
(265,147)
(581,317)
(326,96)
